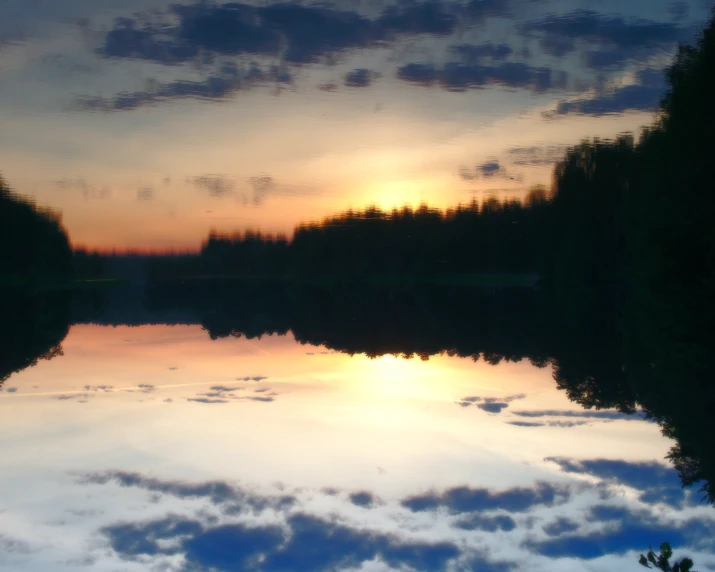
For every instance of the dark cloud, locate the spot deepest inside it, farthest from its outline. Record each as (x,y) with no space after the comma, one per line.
(364,499)
(560,526)
(254,378)
(217,492)
(206,400)
(11,390)
(296,33)
(306,543)
(224,388)
(214,87)
(465,499)
(486,523)
(456,76)
(262,399)
(526,424)
(597,28)
(632,532)
(490,168)
(471,53)
(360,77)
(620,100)
(656,482)
(493,407)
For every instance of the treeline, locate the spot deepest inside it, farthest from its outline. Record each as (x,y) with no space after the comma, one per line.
(491,237)
(35,256)
(33,242)
(634,237)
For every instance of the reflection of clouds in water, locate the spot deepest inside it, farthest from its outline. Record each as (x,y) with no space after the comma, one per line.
(364,499)
(434,531)
(69,396)
(601,414)
(96,388)
(224,394)
(464,499)
(656,483)
(490,404)
(548,423)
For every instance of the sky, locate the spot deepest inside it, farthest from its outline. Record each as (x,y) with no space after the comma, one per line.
(157,448)
(147,124)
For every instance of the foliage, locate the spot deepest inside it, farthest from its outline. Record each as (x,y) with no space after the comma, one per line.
(662,560)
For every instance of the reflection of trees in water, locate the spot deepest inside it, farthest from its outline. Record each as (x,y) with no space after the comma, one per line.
(33,327)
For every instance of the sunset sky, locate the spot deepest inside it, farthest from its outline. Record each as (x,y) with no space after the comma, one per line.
(147,125)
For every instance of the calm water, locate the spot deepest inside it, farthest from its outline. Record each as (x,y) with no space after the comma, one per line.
(144,447)
(158,430)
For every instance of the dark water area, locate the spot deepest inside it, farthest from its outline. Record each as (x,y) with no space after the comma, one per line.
(361,286)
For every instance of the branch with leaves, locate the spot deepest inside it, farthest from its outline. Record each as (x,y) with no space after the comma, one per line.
(662,560)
